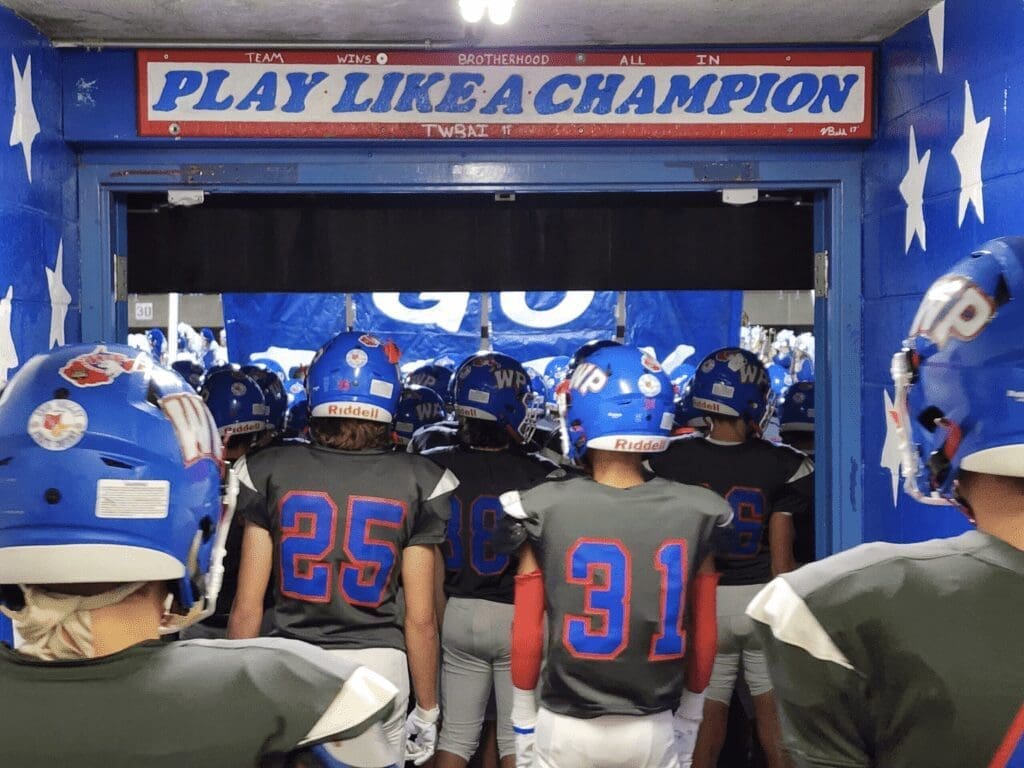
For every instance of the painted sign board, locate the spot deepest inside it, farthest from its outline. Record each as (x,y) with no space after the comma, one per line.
(547,95)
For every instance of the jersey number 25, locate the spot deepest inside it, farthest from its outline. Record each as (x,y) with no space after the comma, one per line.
(309,527)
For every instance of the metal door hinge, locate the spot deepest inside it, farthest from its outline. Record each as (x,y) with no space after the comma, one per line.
(120,278)
(821,275)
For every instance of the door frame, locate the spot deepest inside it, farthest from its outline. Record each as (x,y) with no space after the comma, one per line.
(834,172)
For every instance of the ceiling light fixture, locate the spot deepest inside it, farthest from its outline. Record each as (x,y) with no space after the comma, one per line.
(500,11)
(472,10)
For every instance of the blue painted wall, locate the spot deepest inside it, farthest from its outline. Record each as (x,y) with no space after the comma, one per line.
(927,69)
(38,201)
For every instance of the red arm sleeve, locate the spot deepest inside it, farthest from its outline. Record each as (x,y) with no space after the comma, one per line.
(528,630)
(704,638)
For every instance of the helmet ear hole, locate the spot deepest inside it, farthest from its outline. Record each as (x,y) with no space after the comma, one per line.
(206,527)
(1002,292)
(929,416)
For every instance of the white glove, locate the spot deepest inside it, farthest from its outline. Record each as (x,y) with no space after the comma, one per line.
(686,723)
(421,734)
(524,722)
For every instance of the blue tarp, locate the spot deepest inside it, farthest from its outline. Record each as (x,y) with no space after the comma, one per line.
(528,326)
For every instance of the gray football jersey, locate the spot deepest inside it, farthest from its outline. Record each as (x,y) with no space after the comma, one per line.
(901,656)
(339,522)
(616,563)
(199,703)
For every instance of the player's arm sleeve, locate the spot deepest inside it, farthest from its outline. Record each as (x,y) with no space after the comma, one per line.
(252,503)
(431,523)
(527,622)
(704,626)
(821,696)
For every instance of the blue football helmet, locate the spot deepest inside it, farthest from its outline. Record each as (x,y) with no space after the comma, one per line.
(959,401)
(586,350)
(686,416)
(417,407)
(618,399)
(494,387)
(190,371)
(435,377)
(157,342)
(733,382)
(796,414)
(355,376)
(269,364)
(540,391)
(114,468)
(554,374)
(296,423)
(236,402)
(273,394)
(780,379)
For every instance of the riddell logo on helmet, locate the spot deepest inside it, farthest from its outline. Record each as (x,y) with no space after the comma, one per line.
(352,411)
(640,444)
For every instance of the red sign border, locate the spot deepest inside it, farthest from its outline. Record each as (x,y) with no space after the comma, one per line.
(636,132)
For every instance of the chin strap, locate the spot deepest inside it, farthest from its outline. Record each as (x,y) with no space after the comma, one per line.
(204,605)
(56,626)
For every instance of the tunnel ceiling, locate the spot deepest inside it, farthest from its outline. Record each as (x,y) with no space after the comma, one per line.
(535,23)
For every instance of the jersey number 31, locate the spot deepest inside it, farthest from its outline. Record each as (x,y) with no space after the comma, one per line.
(604,568)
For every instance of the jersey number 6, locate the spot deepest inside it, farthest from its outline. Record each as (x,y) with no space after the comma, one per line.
(603,567)
(309,526)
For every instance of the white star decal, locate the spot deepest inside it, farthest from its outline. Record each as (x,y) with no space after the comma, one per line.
(912,192)
(891,456)
(937,26)
(968,152)
(8,354)
(25,127)
(60,299)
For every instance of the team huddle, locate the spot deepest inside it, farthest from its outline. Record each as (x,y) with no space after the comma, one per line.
(604,568)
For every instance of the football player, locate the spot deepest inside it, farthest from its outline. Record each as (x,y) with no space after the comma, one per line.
(438,433)
(276,400)
(909,655)
(239,411)
(418,407)
(796,427)
(117,482)
(494,403)
(765,485)
(612,559)
(339,523)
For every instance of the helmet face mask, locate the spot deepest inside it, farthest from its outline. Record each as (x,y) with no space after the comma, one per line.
(959,379)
